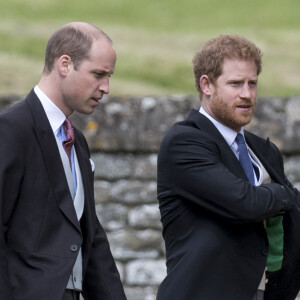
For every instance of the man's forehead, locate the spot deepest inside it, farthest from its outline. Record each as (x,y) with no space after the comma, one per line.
(237,65)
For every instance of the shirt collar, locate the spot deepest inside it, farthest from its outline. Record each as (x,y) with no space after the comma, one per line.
(228,134)
(55,116)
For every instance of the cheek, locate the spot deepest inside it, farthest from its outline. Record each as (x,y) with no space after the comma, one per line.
(80,88)
(89,84)
(229,100)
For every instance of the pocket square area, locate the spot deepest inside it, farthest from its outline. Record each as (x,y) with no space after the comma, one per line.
(92,165)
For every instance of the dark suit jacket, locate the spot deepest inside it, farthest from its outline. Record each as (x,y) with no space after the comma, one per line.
(39,233)
(216,244)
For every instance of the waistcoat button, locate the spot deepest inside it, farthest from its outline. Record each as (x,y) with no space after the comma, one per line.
(74,248)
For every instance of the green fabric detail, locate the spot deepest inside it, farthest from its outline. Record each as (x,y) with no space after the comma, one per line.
(274,230)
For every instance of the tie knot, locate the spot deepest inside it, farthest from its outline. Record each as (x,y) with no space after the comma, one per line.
(69,142)
(240,140)
(69,131)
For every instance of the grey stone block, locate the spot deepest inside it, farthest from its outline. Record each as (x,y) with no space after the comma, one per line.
(144,272)
(145,216)
(133,192)
(130,244)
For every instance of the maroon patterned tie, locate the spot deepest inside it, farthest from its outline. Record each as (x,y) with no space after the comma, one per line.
(68,143)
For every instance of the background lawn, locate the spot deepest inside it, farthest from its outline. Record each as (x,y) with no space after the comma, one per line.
(155,40)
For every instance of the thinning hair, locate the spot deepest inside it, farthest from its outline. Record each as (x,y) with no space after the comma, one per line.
(209,61)
(73,39)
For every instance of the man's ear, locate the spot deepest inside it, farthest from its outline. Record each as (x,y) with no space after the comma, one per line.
(64,64)
(205,85)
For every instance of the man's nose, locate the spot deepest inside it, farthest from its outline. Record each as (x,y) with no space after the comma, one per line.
(104,85)
(245,91)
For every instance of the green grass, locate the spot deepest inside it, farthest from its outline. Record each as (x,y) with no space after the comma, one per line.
(155,40)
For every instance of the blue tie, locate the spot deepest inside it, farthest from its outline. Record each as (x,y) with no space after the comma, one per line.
(244,157)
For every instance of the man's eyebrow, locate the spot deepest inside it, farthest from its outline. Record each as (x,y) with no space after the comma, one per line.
(102,71)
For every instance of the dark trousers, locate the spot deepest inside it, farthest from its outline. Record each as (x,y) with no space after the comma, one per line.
(71,295)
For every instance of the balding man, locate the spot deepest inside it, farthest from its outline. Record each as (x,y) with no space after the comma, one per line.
(52,245)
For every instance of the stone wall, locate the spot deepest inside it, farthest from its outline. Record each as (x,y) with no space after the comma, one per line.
(124,136)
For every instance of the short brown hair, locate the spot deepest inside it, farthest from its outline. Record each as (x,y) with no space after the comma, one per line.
(73,40)
(209,61)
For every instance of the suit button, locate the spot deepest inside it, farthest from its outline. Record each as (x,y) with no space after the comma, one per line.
(74,248)
(285,201)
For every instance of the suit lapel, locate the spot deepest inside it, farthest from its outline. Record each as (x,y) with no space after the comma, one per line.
(203,123)
(228,158)
(52,158)
(87,221)
(85,168)
(262,149)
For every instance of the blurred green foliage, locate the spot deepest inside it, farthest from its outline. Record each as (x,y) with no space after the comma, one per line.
(155,40)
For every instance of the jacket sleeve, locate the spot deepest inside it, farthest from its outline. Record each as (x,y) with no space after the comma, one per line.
(10,181)
(192,168)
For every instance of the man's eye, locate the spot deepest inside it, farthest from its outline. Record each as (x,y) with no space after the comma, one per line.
(98,75)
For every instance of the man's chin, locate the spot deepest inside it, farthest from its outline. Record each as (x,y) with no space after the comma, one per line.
(86,111)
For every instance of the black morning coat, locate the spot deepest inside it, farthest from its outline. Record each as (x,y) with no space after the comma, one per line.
(39,232)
